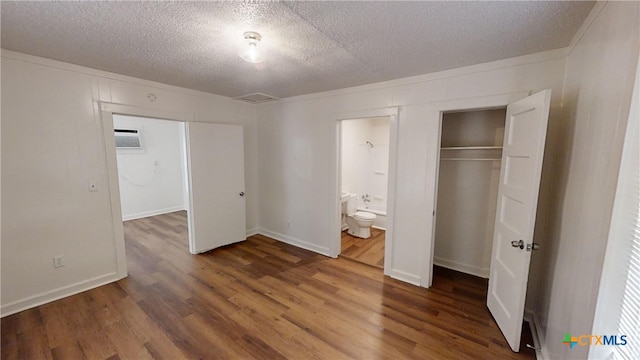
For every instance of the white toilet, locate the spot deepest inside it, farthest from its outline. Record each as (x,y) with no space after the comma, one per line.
(359,222)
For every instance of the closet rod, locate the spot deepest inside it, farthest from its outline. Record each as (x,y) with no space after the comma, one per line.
(469,159)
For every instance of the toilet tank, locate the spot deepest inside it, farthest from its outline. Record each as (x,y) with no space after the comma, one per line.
(352,204)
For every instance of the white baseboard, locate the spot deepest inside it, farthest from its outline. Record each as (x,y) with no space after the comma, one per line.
(403,276)
(534,325)
(149,213)
(252,231)
(56,294)
(528,315)
(396,274)
(465,268)
(295,242)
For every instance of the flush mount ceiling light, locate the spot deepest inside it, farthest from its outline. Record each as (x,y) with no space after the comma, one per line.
(250,52)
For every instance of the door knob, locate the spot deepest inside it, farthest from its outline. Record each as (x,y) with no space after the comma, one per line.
(519,243)
(533,246)
(241,194)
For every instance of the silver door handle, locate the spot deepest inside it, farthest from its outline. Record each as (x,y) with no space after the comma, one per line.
(533,246)
(518,243)
(241,194)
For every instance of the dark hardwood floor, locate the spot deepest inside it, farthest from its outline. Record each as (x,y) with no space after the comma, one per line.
(367,251)
(259,299)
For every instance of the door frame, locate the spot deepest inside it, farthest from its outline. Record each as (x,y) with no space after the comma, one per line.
(393,114)
(435,113)
(106,111)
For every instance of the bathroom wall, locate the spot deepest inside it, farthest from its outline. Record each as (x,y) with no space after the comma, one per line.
(152,180)
(365,168)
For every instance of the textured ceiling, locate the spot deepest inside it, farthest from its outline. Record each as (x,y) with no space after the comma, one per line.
(309,46)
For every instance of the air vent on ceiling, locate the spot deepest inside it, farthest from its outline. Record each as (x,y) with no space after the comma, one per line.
(257,98)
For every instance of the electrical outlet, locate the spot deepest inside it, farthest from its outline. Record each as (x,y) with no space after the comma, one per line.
(58,262)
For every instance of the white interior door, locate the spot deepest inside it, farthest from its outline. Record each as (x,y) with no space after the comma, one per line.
(215,160)
(525,133)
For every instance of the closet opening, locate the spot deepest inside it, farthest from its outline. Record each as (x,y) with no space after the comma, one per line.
(467,190)
(486,163)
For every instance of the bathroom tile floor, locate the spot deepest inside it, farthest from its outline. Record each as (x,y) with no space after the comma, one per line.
(367,251)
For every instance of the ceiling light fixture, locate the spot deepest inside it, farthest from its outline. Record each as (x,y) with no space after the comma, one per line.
(251,53)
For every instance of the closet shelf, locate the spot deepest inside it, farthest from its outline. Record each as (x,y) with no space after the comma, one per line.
(469,159)
(471,148)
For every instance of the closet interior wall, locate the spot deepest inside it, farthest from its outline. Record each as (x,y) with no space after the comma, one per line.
(468,178)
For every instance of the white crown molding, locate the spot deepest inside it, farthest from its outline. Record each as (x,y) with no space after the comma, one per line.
(471,69)
(477,68)
(586,24)
(14,55)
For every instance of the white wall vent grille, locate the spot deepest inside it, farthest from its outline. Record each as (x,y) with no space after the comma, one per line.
(128,139)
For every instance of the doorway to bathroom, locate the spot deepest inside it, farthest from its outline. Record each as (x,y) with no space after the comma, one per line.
(364,180)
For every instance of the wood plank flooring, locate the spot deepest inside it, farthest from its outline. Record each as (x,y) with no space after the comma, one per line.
(259,299)
(367,251)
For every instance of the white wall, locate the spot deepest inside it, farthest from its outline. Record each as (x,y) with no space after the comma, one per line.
(616,280)
(152,180)
(52,146)
(354,134)
(298,144)
(365,169)
(587,148)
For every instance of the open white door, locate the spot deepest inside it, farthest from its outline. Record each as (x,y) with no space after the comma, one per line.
(215,160)
(525,134)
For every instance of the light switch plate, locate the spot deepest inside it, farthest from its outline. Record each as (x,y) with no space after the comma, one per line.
(58,262)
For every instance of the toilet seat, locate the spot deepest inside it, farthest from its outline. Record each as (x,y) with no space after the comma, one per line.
(363,215)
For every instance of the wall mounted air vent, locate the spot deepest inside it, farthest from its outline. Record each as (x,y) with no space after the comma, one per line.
(128,139)
(257,98)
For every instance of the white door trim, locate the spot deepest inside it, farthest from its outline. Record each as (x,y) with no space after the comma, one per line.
(432,164)
(145,112)
(393,114)
(106,111)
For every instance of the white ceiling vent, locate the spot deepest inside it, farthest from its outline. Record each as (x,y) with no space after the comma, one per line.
(257,98)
